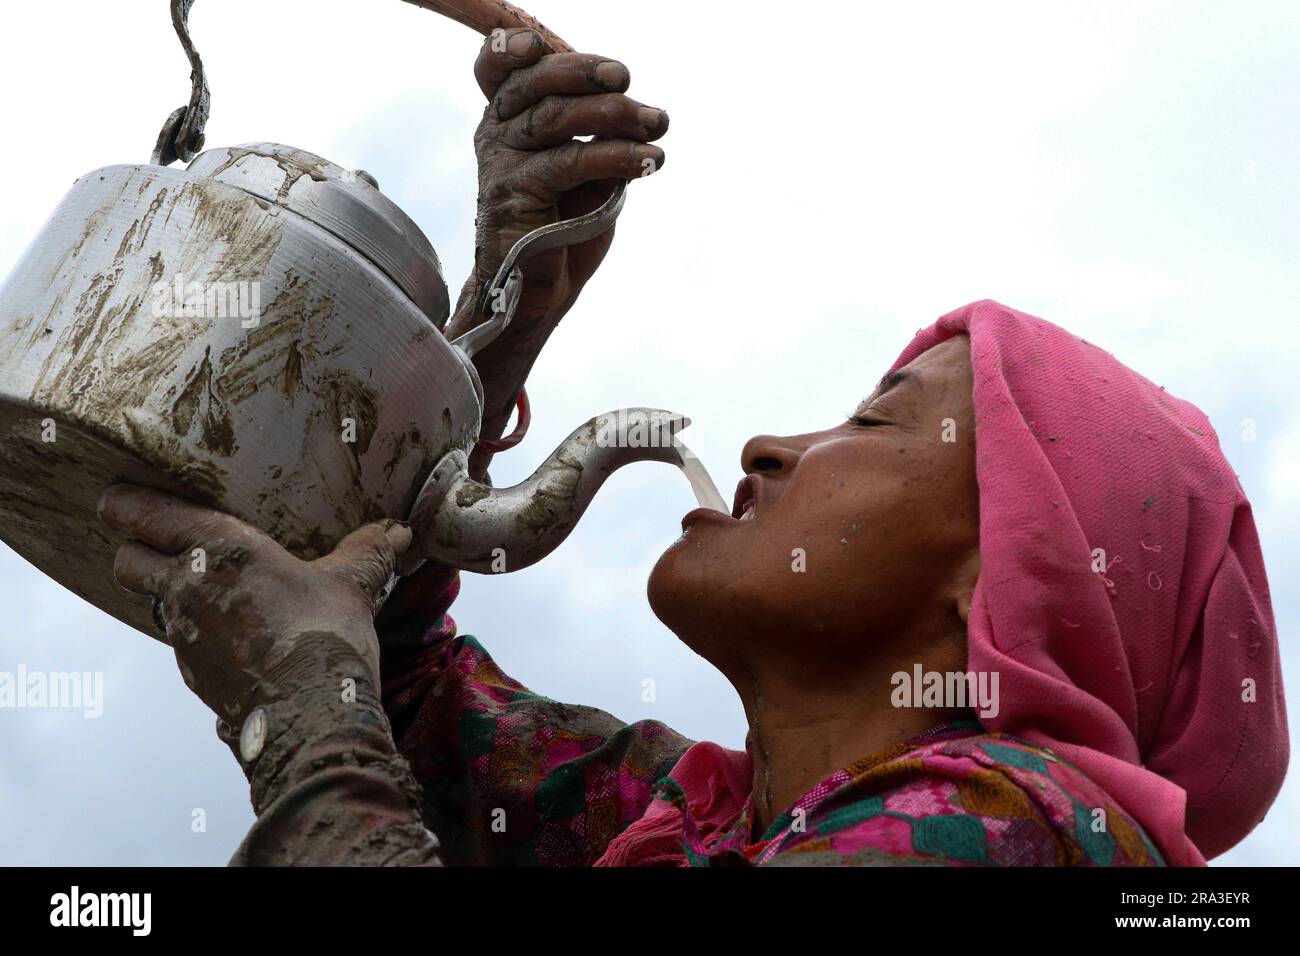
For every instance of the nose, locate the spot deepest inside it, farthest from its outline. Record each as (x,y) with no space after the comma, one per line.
(769,454)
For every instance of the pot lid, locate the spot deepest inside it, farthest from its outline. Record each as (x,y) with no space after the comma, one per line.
(344,203)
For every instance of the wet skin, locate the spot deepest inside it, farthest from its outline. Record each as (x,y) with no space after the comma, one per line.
(886,516)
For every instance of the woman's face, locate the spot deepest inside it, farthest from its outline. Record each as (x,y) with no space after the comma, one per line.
(844,540)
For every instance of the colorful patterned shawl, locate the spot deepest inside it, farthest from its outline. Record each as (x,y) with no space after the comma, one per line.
(510,777)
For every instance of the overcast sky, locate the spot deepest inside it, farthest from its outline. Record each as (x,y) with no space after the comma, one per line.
(1130,171)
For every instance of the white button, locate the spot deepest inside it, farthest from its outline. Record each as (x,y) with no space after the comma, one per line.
(253,737)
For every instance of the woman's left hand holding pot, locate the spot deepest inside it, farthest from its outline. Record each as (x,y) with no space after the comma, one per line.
(236,606)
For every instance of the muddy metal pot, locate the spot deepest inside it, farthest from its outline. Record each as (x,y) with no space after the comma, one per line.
(261,332)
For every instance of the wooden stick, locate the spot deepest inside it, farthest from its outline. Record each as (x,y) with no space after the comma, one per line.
(486,15)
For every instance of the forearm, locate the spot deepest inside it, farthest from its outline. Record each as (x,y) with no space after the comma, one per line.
(328,785)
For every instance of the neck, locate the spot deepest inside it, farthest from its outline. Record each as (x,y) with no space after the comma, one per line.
(803,729)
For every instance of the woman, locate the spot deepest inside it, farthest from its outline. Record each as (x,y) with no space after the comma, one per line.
(1010,504)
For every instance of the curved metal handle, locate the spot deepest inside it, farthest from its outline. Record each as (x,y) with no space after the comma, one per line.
(181,136)
(501,296)
(484,16)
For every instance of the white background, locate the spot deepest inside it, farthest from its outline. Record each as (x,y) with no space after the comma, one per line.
(1130,171)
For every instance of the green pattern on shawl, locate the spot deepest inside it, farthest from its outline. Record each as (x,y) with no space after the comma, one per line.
(1098,846)
(956,837)
(1015,757)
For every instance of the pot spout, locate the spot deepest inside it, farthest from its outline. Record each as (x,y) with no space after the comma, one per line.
(470,525)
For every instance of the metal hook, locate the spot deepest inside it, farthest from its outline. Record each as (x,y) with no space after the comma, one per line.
(181,136)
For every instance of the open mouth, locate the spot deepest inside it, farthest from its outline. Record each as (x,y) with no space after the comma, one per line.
(746,499)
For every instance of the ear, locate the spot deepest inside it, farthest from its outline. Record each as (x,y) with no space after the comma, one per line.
(967,576)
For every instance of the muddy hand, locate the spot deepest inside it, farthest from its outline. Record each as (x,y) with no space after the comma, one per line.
(233,602)
(534,171)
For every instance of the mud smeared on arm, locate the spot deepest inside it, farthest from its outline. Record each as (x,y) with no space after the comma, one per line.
(328,786)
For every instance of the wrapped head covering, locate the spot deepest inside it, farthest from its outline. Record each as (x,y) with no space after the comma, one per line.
(1122,597)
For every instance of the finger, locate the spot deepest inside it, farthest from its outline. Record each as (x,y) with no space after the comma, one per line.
(569,166)
(563,73)
(139,568)
(368,556)
(557,119)
(502,52)
(162,521)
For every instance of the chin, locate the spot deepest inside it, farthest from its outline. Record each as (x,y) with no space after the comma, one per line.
(673,584)
(703,598)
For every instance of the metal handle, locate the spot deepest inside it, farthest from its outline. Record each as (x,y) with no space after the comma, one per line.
(501,297)
(484,16)
(181,136)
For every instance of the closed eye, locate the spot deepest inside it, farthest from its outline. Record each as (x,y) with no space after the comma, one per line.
(863,422)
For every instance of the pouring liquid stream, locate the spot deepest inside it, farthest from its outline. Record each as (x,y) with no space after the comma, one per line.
(706,492)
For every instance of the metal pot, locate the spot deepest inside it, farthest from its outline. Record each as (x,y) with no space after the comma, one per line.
(261,332)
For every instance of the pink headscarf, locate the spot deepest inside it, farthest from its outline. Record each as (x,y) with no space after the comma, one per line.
(1137,673)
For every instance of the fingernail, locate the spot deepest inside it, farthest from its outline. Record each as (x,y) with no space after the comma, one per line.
(612,75)
(521,44)
(651,118)
(650,159)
